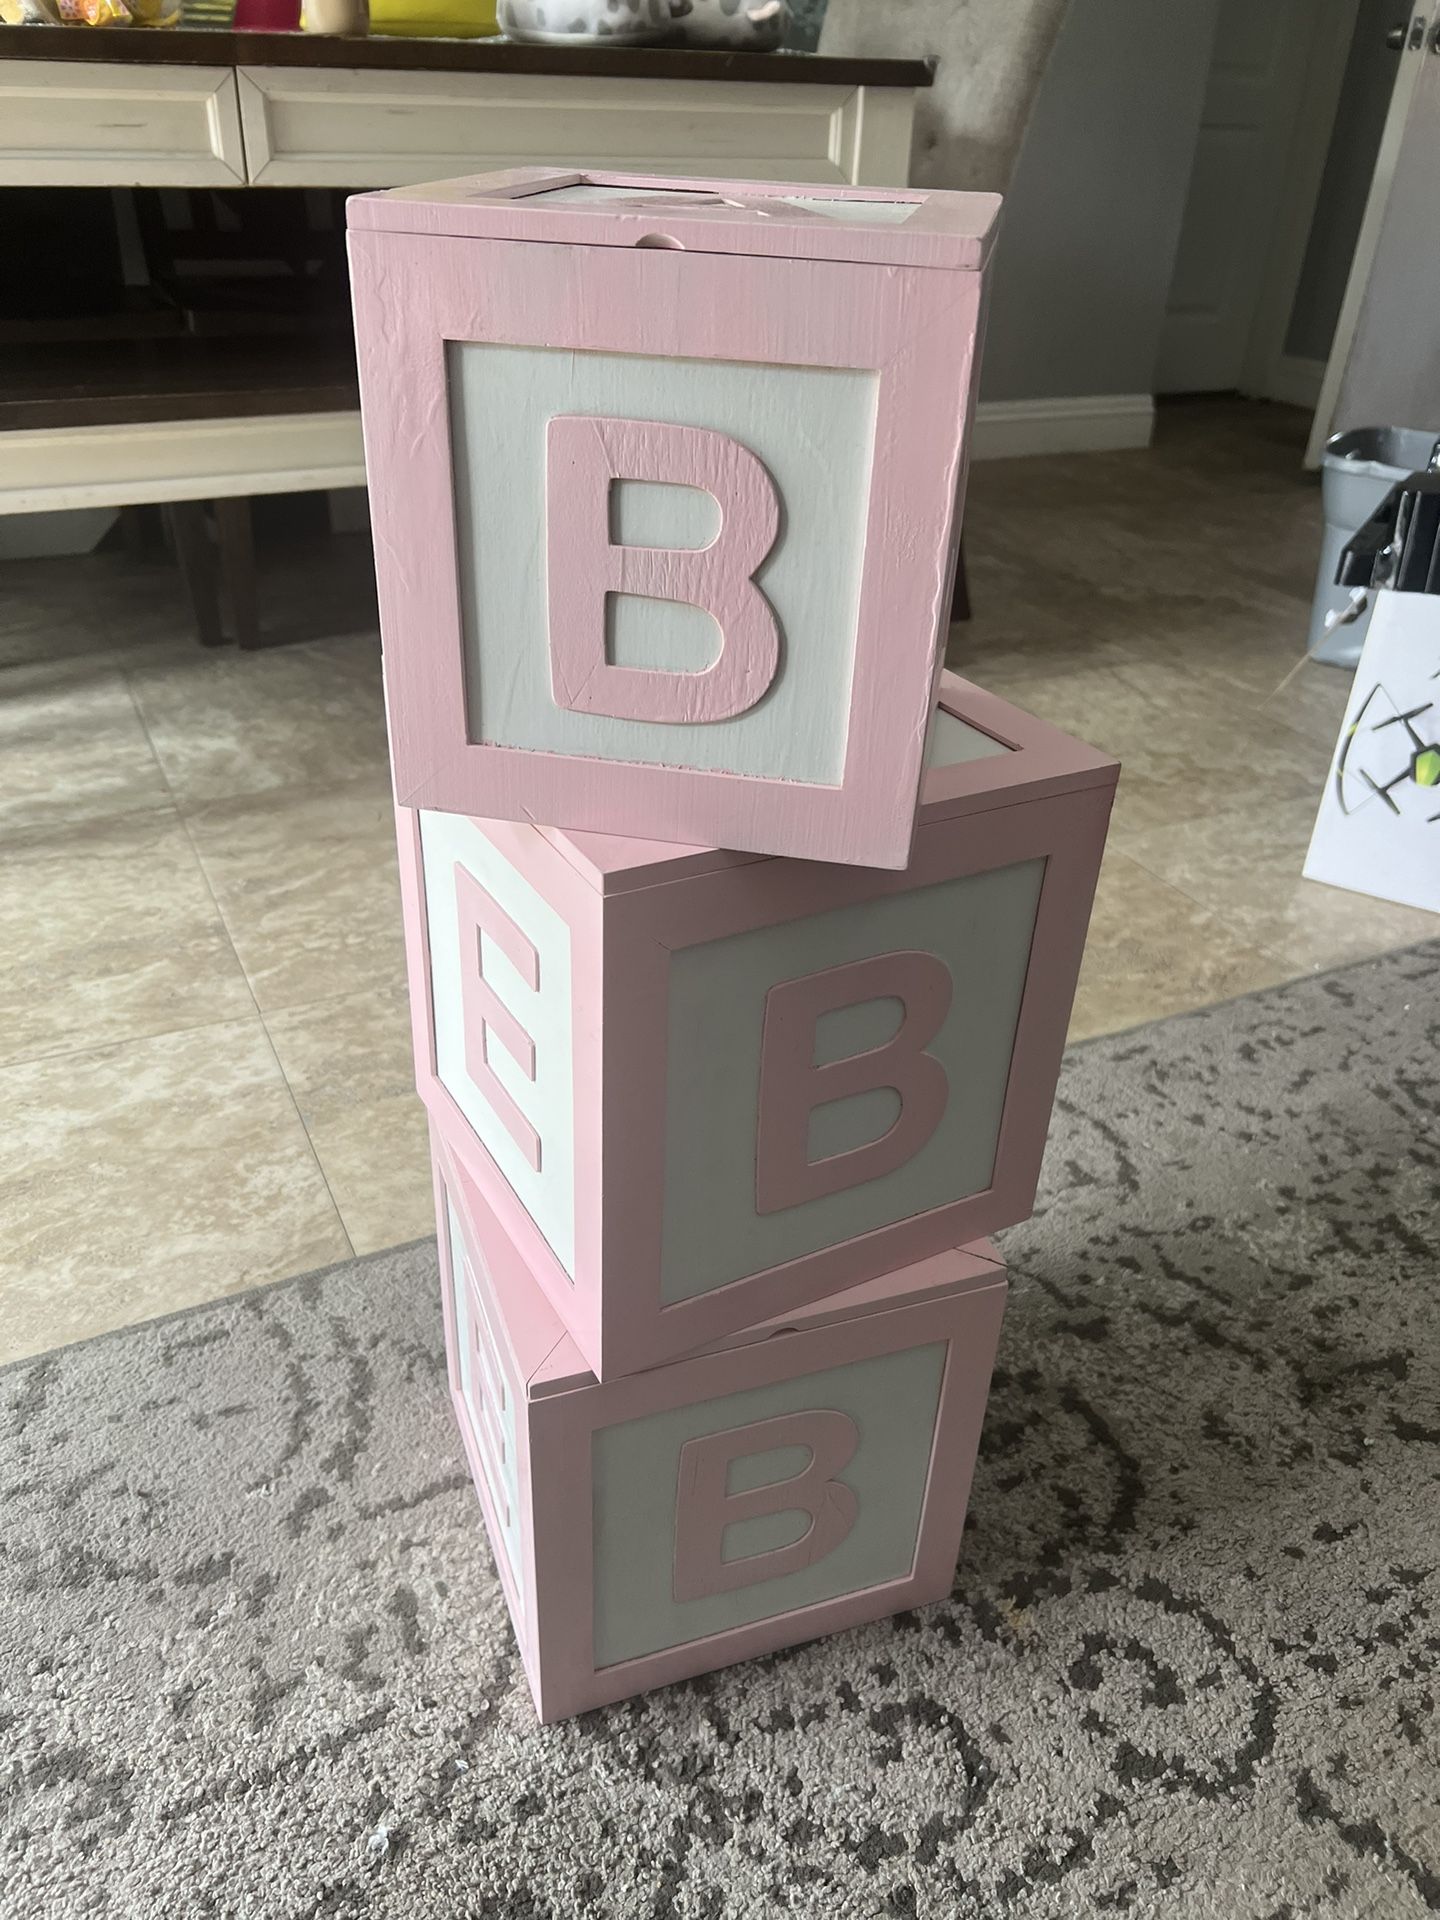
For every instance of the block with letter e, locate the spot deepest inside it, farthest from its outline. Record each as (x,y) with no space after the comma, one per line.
(806,1475)
(700,1088)
(665,479)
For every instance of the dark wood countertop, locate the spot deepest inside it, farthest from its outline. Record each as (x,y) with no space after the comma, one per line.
(198,46)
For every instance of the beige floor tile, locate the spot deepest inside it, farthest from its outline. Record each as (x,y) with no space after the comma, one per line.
(1233,640)
(1217,503)
(1277,738)
(1176,534)
(1252,538)
(1186,748)
(72,748)
(1252,649)
(306,880)
(350,1066)
(1066,699)
(1152,951)
(1031,494)
(1219,438)
(92,603)
(149,1176)
(1272,745)
(1028,626)
(108,932)
(225,724)
(1246,869)
(1250,642)
(1250,705)
(1312,704)
(1030,613)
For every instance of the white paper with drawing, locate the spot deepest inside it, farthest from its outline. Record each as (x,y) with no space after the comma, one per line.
(1378,829)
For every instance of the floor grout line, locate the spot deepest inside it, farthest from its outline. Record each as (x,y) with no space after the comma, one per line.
(309,1139)
(249,986)
(95,1046)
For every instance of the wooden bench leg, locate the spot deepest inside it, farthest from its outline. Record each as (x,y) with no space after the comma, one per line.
(237,568)
(191,537)
(135,530)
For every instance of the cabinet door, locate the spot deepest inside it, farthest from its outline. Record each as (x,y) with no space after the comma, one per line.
(317,128)
(69,124)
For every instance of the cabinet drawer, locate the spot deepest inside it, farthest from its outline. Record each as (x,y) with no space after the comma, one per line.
(64,124)
(354,129)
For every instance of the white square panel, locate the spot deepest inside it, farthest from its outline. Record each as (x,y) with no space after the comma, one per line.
(980,926)
(812,427)
(893,1400)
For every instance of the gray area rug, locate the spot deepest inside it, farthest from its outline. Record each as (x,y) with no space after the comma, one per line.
(1189,1667)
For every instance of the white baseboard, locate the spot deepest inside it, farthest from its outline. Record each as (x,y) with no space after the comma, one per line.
(1081,423)
(1295,381)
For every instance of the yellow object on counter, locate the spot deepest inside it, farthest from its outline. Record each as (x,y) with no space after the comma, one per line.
(434,19)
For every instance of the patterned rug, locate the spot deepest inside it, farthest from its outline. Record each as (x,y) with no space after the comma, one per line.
(254,1661)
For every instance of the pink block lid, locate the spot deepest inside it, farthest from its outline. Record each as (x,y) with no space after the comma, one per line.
(548,1360)
(909,227)
(1033,759)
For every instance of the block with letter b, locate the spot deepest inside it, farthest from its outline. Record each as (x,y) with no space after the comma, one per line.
(665,481)
(700,1088)
(808,1474)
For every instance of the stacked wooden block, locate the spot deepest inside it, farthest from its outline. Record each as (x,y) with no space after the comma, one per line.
(742,941)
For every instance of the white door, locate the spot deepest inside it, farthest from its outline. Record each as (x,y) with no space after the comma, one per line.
(1242,177)
(1384,366)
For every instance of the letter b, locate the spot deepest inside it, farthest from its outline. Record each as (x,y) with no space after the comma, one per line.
(792,1086)
(705,1506)
(584,455)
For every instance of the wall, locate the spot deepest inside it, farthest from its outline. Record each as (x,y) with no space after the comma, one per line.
(1093,216)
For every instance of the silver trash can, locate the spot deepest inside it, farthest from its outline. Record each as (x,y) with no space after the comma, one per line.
(1358,470)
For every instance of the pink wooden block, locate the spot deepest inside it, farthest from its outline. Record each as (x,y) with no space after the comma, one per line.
(776,382)
(733,1085)
(806,1476)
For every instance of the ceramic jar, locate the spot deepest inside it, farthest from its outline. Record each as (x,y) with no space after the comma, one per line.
(615,23)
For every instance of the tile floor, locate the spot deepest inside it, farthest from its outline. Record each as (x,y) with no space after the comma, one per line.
(204,1058)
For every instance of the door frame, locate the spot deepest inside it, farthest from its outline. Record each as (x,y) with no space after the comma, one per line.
(1267,370)
(1387,158)
(1295,135)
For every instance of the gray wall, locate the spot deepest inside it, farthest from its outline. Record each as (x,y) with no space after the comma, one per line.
(1093,217)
